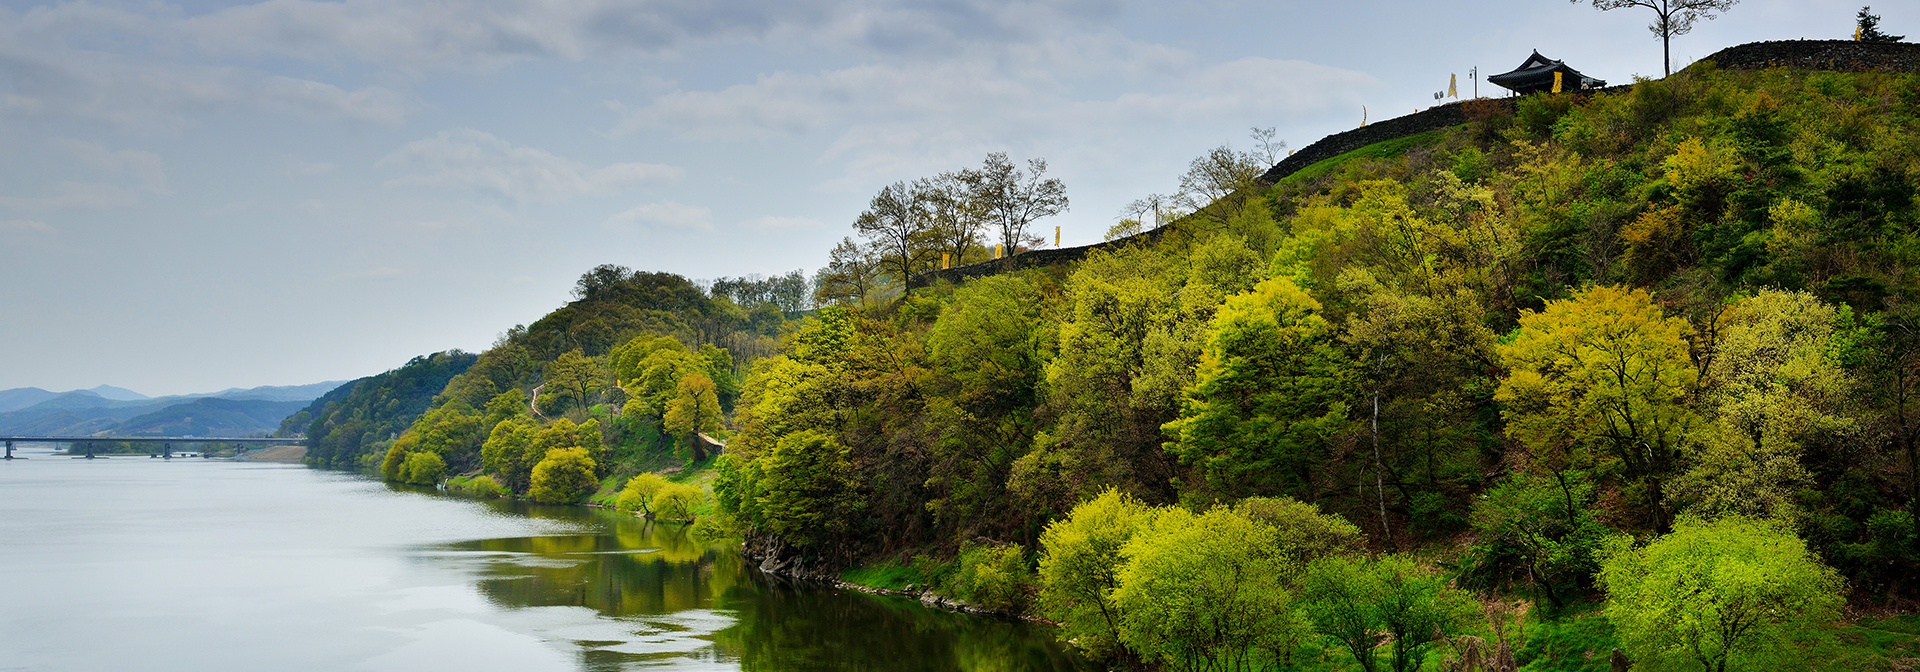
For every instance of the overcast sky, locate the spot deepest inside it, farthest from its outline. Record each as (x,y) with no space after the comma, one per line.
(202,195)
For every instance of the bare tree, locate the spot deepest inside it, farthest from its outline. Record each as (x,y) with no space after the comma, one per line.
(896,221)
(1265,147)
(1674,17)
(849,276)
(1154,205)
(954,221)
(1217,181)
(1010,199)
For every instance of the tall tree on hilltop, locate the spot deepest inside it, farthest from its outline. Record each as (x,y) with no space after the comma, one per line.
(896,220)
(1011,199)
(1672,17)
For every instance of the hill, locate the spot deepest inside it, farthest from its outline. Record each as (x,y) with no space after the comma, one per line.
(88,412)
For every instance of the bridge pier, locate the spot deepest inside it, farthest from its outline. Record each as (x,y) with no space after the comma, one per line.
(10,452)
(166,451)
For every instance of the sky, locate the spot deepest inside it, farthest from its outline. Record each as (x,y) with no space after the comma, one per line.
(203,195)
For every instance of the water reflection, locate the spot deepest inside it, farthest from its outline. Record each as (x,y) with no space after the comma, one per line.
(659,598)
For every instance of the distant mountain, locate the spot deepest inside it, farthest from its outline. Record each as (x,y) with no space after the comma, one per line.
(22,397)
(212,416)
(300,393)
(117,393)
(113,410)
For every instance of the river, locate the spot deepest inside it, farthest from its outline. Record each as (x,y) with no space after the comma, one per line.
(132,563)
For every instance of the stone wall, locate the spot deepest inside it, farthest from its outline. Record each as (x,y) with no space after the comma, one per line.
(1840,55)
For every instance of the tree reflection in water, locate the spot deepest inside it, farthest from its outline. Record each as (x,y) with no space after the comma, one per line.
(659,598)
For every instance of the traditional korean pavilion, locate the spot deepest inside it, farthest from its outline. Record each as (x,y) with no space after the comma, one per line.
(1536,75)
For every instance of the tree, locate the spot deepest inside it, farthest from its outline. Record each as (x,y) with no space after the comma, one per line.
(1672,17)
(1208,591)
(504,453)
(639,492)
(1267,396)
(1774,386)
(694,410)
(807,488)
(424,468)
(1216,183)
(1869,28)
(1548,522)
(953,219)
(564,476)
(851,274)
(574,376)
(676,501)
(1730,594)
(1359,603)
(899,226)
(1608,372)
(1009,199)
(1079,568)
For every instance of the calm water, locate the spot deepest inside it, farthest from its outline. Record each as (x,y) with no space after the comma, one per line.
(138,564)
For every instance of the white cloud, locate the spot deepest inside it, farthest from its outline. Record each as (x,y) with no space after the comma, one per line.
(28,225)
(470,159)
(665,214)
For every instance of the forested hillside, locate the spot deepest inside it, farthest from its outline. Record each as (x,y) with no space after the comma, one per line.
(1516,356)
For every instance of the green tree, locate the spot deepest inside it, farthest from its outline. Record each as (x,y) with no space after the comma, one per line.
(504,452)
(639,491)
(573,376)
(899,225)
(1774,385)
(695,409)
(1268,395)
(1548,522)
(1868,28)
(1208,591)
(1729,594)
(807,489)
(423,468)
(676,501)
(563,476)
(1605,371)
(1359,603)
(1079,566)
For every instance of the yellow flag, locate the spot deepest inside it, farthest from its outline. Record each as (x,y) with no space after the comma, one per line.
(1856,33)
(1056,236)
(946,261)
(1556,81)
(1453,83)
(996,250)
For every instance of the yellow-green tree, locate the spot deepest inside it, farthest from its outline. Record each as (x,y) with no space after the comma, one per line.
(639,491)
(806,489)
(676,501)
(1208,591)
(563,476)
(1773,385)
(423,468)
(1079,566)
(694,409)
(504,453)
(1604,375)
(1730,594)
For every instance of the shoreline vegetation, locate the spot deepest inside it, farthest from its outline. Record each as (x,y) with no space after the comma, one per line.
(1624,379)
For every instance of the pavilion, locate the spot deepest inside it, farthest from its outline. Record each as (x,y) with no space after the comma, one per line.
(1537,74)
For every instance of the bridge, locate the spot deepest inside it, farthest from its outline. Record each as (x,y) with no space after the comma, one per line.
(166,449)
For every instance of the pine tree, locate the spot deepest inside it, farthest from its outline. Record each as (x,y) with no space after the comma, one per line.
(1870,28)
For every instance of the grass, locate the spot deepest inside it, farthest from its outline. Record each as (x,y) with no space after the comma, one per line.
(1384,149)
(888,575)
(1889,643)
(1580,641)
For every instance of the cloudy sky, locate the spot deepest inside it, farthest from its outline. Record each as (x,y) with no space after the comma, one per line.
(201,195)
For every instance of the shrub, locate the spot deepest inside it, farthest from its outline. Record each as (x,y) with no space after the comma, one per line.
(993,577)
(484,486)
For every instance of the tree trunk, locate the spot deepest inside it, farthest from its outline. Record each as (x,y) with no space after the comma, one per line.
(1379,481)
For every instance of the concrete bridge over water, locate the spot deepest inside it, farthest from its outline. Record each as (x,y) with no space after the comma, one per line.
(166,442)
